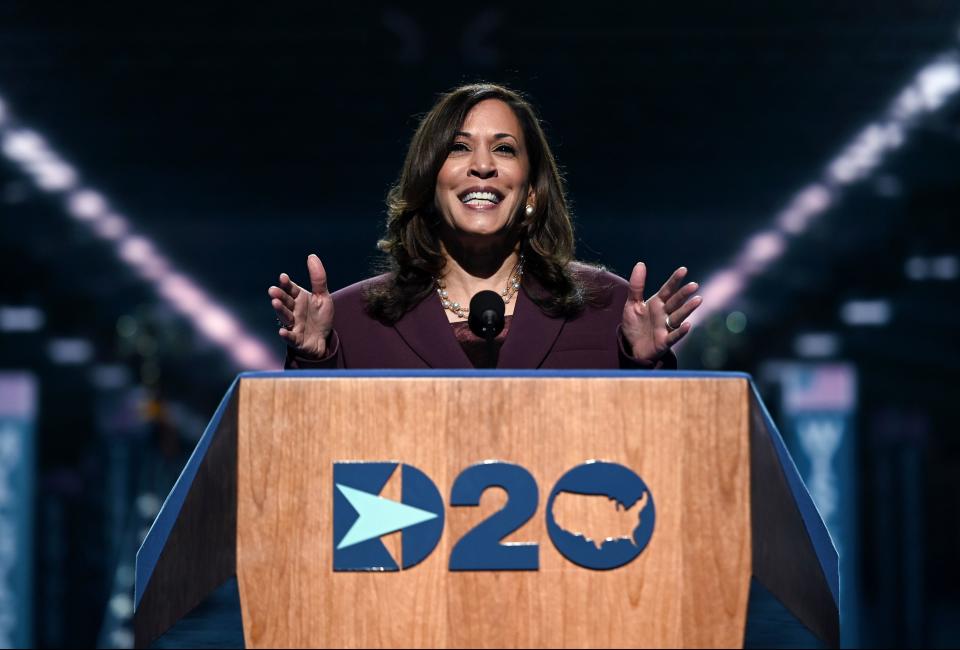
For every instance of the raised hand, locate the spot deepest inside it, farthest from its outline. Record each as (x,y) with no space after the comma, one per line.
(652,326)
(306,317)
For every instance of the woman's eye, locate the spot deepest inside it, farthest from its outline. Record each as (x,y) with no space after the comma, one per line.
(505,148)
(459,146)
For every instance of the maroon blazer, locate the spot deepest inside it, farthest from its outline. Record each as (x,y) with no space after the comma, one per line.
(423,337)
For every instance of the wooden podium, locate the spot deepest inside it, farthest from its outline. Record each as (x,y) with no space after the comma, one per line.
(256,500)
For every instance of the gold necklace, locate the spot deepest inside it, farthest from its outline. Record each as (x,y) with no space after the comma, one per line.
(513,285)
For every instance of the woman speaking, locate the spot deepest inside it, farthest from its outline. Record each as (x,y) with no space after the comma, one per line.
(479,207)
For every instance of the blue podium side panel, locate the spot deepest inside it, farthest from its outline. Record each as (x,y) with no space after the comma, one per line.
(215,623)
(793,556)
(174,572)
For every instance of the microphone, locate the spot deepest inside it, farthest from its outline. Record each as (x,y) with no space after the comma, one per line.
(486,314)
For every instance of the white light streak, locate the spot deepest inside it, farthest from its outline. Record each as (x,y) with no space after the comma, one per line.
(182,293)
(929,90)
(761,249)
(29,151)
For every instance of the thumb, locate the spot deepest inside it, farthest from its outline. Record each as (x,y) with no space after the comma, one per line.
(318,276)
(637,279)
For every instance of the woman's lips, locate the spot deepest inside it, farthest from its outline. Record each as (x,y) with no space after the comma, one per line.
(480,206)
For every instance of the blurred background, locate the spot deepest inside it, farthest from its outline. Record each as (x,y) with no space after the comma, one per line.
(161,164)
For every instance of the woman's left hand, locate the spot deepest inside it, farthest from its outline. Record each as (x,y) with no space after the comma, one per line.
(652,326)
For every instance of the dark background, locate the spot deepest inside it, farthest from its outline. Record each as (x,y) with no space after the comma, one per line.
(239,138)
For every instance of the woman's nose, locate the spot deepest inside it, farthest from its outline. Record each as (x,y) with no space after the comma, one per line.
(483,166)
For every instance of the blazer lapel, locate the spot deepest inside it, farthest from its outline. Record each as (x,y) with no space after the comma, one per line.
(532,333)
(427,331)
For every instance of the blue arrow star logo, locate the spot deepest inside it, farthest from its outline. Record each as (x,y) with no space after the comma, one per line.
(378,516)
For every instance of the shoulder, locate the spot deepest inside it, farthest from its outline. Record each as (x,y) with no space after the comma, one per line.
(600,286)
(356,293)
(351,301)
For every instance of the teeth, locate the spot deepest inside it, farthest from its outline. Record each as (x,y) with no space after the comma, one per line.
(481,196)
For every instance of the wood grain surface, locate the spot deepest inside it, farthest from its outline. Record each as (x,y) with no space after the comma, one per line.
(687,438)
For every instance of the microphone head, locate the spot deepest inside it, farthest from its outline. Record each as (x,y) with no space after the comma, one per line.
(486,317)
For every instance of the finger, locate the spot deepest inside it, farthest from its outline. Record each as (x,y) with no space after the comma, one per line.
(681,314)
(285,315)
(279,294)
(318,276)
(676,300)
(678,333)
(672,284)
(637,280)
(289,285)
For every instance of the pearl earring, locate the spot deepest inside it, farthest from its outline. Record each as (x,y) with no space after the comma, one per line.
(529,210)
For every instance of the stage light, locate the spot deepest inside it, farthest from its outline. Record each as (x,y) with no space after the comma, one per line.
(20,145)
(252,354)
(86,205)
(865,153)
(135,250)
(713,356)
(938,81)
(916,268)
(736,322)
(816,345)
(866,312)
(53,175)
(121,606)
(805,205)
(944,267)
(148,505)
(763,248)
(21,319)
(111,227)
(217,324)
(70,351)
(183,294)
(127,326)
(720,288)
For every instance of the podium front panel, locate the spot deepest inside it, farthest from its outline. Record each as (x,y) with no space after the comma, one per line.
(687,439)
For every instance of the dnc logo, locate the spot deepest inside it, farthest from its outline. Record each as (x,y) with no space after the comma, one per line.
(599,515)
(361,517)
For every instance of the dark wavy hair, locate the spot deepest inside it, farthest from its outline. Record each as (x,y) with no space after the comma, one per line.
(412,238)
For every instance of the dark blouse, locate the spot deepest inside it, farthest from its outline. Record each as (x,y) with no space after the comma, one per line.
(481,355)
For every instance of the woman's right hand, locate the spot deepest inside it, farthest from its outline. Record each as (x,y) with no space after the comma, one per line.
(306,317)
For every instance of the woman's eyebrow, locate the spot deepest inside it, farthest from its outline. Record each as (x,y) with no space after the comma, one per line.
(497,136)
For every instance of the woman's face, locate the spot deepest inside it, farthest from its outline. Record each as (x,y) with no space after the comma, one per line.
(485,174)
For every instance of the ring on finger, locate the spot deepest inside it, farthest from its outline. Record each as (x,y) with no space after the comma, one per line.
(670,326)
(284,325)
